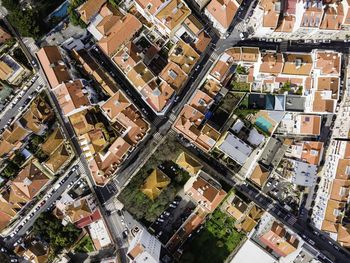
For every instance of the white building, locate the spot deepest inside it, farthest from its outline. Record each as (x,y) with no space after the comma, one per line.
(144,248)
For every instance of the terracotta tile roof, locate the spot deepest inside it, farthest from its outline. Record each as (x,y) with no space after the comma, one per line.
(250,54)
(140,75)
(328,83)
(334,211)
(205,193)
(188,163)
(211,87)
(115,105)
(58,158)
(343,237)
(157,96)
(271,13)
(95,71)
(193,24)
(11,138)
(150,6)
(329,226)
(54,140)
(271,63)
(173,13)
(310,124)
(312,152)
(312,16)
(223,11)
(259,175)
(183,55)
(279,241)
(155,183)
(127,57)
(333,17)
(80,123)
(36,253)
(121,32)
(89,9)
(201,101)
(287,24)
(222,67)
(53,65)
(78,210)
(71,96)
(5,70)
(297,64)
(343,169)
(322,103)
(174,76)
(340,190)
(29,182)
(202,42)
(328,62)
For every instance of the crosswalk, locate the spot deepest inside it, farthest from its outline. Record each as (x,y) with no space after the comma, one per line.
(172,117)
(292,220)
(157,136)
(214,56)
(157,121)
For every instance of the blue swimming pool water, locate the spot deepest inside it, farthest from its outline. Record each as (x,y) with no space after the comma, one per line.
(62,11)
(263,124)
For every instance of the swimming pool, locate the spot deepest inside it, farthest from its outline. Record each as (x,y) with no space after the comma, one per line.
(61,11)
(263,124)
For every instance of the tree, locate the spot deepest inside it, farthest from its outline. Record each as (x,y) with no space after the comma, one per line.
(10,5)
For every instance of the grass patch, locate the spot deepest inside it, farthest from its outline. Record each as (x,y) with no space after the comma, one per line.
(240,86)
(85,245)
(215,242)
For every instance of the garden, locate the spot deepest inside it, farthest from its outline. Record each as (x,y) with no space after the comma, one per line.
(216,241)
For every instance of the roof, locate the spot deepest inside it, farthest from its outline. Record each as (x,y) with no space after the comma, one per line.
(297,64)
(334,211)
(115,105)
(223,11)
(235,148)
(184,56)
(150,5)
(174,76)
(245,255)
(329,62)
(29,181)
(188,163)
(157,96)
(205,191)
(89,9)
(11,138)
(53,65)
(122,31)
(58,158)
(333,17)
(5,70)
(322,102)
(54,140)
(78,210)
(155,183)
(271,63)
(340,190)
(128,57)
(4,35)
(259,175)
(37,253)
(71,95)
(312,152)
(172,13)
(343,169)
(310,124)
(279,240)
(272,9)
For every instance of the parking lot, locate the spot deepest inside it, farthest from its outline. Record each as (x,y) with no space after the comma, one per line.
(172,218)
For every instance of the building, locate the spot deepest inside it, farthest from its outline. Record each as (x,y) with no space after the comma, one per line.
(246,215)
(221,13)
(235,148)
(300,124)
(303,174)
(33,251)
(306,151)
(188,163)
(89,9)
(279,240)
(72,96)
(53,65)
(144,248)
(250,252)
(155,183)
(12,71)
(99,234)
(259,175)
(204,191)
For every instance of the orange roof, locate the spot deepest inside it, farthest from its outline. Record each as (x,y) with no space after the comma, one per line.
(173,13)
(310,124)
(78,210)
(183,55)
(333,17)
(271,14)
(155,183)
(343,169)
(297,64)
(150,6)
(122,31)
(334,211)
(223,11)
(71,96)
(259,175)
(53,65)
(206,194)
(201,101)
(29,182)
(115,105)
(287,24)
(250,54)
(174,76)
(340,190)
(58,158)
(328,83)
(157,96)
(89,9)
(127,57)
(312,152)
(329,62)
(343,236)
(271,63)
(11,138)
(312,16)
(4,35)
(322,103)
(279,241)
